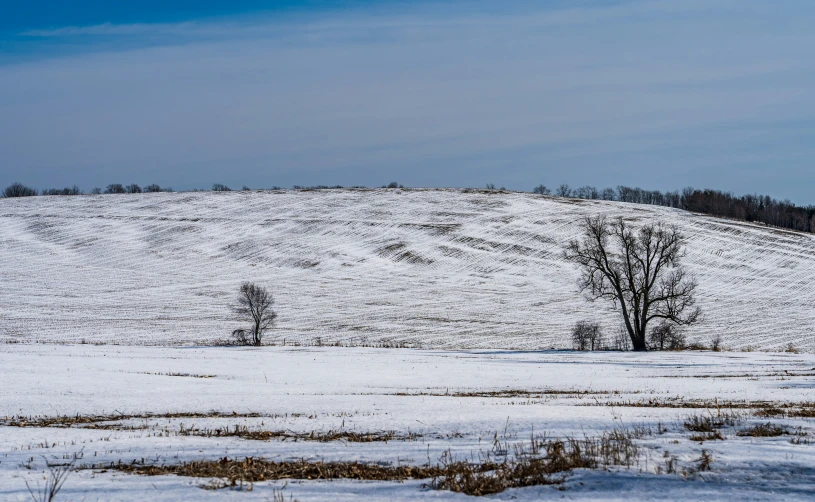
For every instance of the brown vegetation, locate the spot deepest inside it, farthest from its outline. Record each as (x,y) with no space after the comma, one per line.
(535,463)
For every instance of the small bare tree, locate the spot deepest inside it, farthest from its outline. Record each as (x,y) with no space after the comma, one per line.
(255,306)
(638,270)
(586,335)
(664,336)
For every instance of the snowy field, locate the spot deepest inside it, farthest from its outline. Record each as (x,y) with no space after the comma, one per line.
(464,402)
(426,268)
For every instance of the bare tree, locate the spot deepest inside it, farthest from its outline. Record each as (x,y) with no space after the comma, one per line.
(541,190)
(638,270)
(19,190)
(665,336)
(586,335)
(254,305)
(115,188)
(563,191)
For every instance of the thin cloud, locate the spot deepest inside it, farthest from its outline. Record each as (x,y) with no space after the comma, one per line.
(449,97)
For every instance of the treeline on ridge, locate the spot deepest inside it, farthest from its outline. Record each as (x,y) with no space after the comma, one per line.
(752,208)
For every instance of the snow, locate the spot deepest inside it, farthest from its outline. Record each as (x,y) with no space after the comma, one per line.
(428,268)
(406,390)
(148,280)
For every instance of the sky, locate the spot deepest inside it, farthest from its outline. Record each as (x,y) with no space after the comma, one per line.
(660,94)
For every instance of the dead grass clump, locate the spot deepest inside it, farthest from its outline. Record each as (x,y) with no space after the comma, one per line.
(709,423)
(64,421)
(710,436)
(705,460)
(472,479)
(254,470)
(176,374)
(769,411)
(539,463)
(534,463)
(762,430)
(508,393)
(802,413)
(324,437)
(528,393)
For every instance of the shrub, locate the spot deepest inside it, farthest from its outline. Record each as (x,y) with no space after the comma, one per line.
(19,190)
(74,190)
(115,188)
(621,341)
(586,335)
(218,187)
(665,336)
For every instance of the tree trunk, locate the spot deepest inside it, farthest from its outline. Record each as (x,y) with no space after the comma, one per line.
(638,341)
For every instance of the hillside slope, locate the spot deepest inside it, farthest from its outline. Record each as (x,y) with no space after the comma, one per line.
(437,268)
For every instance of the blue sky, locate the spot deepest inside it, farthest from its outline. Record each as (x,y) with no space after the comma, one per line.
(659,94)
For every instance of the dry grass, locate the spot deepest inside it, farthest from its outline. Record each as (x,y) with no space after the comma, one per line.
(175,374)
(254,470)
(63,421)
(791,410)
(509,393)
(705,460)
(539,463)
(320,436)
(534,463)
(761,408)
(114,422)
(709,424)
(709,436)
(762,430)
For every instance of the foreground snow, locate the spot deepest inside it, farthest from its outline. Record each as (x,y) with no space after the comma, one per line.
(434,268)
(442,397)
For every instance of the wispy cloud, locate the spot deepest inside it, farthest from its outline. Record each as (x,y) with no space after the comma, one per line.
(108,29)
(448,96)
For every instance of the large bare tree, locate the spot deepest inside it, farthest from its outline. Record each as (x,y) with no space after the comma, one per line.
(638,269)
(254,305)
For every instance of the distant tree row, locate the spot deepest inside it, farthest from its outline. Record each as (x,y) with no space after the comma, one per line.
(20,190)
(754,208)
(132,188)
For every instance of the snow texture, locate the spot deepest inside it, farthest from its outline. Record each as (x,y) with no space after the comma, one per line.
(427,268)
(405,390)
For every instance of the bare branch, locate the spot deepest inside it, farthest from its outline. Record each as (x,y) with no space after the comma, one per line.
(639,271)
(254,304)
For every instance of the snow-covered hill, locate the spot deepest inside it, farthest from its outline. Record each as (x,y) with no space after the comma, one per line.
(441,268)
